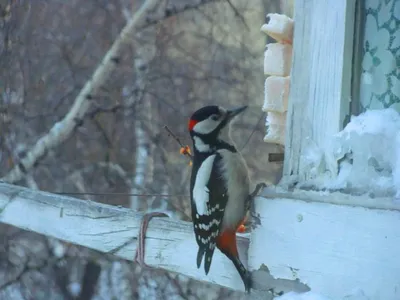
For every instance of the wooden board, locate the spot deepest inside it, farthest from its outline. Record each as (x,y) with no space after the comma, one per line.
(170,244)
(334,249)
(320,88)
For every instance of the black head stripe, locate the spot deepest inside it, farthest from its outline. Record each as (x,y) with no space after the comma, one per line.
(204,112)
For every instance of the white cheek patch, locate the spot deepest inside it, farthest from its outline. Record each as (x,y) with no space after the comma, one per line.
(206,126)
(200,146)
(200,192)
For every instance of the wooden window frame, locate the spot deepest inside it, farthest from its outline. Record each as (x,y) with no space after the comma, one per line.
(331,241)
(321,82)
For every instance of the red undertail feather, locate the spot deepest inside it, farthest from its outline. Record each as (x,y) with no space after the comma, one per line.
(226,242)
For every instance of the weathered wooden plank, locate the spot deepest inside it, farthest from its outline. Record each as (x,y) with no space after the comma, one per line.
(170,243)
(320,90)
(337,198)
(331,248)
(334,249)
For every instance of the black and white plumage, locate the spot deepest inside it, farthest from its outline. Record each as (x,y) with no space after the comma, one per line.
(219,186)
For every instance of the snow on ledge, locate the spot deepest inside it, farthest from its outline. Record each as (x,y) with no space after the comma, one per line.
(363,158)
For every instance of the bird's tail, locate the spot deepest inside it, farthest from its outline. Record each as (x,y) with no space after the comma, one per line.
(244,274)
(226,242)
(200,254)
(208,254)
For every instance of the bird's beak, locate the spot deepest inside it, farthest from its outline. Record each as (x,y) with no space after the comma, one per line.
(234,112)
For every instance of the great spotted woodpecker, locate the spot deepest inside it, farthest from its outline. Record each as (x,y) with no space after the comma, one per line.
(219,186)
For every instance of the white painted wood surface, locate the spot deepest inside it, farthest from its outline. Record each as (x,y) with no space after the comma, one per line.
(334,249)
(337,198)
(320,88)
(170,244)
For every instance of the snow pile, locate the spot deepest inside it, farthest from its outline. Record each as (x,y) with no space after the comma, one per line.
(365,156)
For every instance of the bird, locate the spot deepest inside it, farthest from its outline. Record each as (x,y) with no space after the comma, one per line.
(219,186)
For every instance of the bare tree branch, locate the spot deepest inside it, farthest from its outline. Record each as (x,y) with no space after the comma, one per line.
(63,129)
(170,9)
(237,14)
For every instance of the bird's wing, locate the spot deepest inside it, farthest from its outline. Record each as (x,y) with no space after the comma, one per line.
(208,204)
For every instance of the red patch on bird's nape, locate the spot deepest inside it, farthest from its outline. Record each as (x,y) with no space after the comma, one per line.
(226,242)
(192,123)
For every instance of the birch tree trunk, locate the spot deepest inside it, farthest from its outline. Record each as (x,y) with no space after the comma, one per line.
(141,158)
(143,176)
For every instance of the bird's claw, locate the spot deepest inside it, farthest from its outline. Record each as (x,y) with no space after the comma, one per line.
(259,187)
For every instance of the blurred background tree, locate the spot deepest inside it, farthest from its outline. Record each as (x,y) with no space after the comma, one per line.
(209,54)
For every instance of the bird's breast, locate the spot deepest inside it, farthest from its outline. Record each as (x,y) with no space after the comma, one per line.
(235,173)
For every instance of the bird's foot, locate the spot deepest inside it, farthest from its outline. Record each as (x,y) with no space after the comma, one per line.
(248,283)
(259,187)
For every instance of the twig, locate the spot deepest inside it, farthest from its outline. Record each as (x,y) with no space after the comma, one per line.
(118,194)
(254,130)
(170,133)
(237,14)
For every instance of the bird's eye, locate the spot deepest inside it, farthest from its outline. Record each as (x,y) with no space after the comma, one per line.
(214,117)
